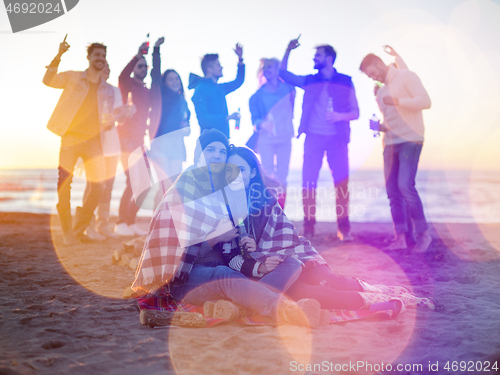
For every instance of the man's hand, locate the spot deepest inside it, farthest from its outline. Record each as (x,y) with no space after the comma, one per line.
(294,43)
(248,244)
(142,48)
(160,41)
(233,116)
(63,47)
(333,116)
(227,236)
(388,49)
(239,50)
(270,264)
(389,100)
(375,125)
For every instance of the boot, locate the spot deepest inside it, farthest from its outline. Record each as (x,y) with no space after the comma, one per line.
(82,220)
(65,221)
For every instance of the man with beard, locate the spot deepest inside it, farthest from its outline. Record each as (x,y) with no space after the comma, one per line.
(77,119)
(133,129)
(329,104)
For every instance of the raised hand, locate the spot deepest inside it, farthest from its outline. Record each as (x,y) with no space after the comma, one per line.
(238,50)
(160,41)
(294,43)
(63,47)
(144,47)
(388,49)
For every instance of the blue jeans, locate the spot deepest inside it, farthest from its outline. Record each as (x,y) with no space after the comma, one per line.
(283,149)
(213,281)
(315,147)
(400,170)
(283,276)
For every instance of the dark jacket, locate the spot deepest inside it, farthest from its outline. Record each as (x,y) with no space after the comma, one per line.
(340,89)
(210,100)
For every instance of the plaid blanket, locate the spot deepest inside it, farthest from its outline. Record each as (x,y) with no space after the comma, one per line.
(188,212)
(163,302)
(280,238)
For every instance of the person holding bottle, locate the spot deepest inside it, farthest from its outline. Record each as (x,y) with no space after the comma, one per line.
(272,114)
(328,107)
(168,150)
(401,100)
(210,97)
(77,119)
(133,129)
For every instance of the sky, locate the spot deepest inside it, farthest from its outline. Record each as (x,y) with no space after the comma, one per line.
(451,45)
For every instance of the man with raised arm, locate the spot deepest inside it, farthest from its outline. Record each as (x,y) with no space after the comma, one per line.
(133,129)
(77,119)
(401,100)
(328,107)
(210,97)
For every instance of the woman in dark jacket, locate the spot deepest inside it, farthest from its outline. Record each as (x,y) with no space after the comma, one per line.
(167,147)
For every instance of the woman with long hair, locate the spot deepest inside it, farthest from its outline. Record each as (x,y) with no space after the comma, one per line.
(273,253)
(167,146)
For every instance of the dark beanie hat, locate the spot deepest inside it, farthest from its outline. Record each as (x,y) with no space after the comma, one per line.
(208,136)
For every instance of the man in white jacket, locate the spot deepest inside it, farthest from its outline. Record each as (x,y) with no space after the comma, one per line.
(401,100)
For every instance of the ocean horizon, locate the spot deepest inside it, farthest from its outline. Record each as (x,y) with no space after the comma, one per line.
(447,196)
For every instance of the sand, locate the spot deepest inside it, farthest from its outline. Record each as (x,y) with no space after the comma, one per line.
(61,310)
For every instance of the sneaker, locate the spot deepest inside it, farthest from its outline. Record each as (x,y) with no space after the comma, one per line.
(123,229)
(345,237)
(137,231)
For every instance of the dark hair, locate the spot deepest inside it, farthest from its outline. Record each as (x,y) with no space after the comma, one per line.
(208,59)
(164,76)
(93,46)
(329,51)
(369,59)
(262,188)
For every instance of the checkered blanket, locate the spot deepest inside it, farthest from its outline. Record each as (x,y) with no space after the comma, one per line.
(188,212)
(280,238)
(164,302)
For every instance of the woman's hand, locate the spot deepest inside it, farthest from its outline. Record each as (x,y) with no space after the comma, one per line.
(248,244)
(270,264)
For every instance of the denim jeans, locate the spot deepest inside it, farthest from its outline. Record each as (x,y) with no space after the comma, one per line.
(128,208)
(283,276)
(400,170)
(104,204)
(91,152)
(315,147)
(213,281)
(282,149)
(330,290)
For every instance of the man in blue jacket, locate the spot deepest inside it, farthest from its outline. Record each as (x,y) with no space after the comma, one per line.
(210,97)
(329,104)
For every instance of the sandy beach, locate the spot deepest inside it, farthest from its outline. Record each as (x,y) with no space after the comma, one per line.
(61,310)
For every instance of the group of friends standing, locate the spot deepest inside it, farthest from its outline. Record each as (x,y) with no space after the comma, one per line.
(103,124)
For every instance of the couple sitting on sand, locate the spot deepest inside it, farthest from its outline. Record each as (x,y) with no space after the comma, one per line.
(210,253)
